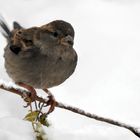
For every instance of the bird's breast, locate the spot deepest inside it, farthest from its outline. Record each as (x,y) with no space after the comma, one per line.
(40,71)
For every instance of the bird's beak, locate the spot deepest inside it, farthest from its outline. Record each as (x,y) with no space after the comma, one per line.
(67,41)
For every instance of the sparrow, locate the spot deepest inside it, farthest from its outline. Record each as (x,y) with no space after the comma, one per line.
(39,57)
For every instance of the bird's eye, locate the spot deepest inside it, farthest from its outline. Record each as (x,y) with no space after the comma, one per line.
(55,34)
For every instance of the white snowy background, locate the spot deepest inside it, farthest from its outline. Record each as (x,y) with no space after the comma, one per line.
(107,77)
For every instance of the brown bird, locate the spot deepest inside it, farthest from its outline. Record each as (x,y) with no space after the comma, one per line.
(39,57)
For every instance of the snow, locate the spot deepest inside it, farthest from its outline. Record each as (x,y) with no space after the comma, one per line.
(107,78)
(11,84)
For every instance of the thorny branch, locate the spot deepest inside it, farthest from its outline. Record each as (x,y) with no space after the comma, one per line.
(24,93)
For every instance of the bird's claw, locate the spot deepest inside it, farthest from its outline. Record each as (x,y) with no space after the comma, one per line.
(51,101)
(28,98)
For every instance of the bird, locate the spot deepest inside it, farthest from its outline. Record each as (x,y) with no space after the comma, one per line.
(39,57)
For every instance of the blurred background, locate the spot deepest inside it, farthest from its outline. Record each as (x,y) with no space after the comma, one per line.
(107,78)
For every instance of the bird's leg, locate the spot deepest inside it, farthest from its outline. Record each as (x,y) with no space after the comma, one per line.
(51,101)
(31,98)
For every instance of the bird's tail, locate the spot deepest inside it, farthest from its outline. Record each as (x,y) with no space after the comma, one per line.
(4,29)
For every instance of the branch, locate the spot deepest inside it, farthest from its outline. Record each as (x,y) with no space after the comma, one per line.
(24,93)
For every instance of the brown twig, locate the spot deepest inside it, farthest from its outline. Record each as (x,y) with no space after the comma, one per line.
(25,94)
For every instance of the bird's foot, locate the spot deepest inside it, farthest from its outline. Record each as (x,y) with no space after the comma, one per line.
(28,98)
(51,101)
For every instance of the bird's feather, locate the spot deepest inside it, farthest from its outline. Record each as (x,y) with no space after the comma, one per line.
(4,29)
(16,25)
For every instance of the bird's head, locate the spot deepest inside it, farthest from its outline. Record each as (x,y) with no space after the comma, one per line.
(55,34)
